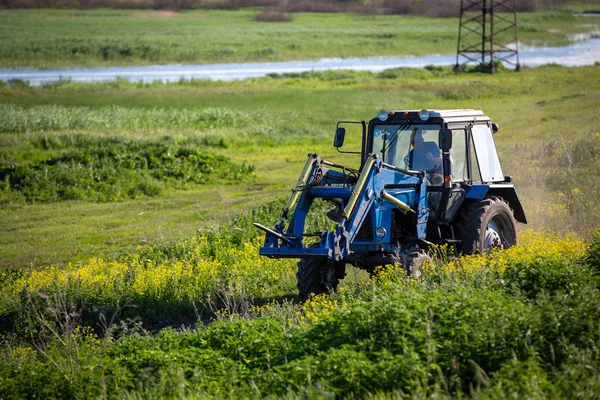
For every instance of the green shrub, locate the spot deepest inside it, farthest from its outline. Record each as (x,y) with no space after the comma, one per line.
(99,169)
(518,379)
(533,278)
(593,254)
(516,323)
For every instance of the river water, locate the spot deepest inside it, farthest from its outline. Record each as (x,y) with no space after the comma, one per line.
(584,51)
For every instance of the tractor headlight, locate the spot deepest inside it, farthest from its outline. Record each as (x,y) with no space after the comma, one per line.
(424,115)
(383,115)
(380,232)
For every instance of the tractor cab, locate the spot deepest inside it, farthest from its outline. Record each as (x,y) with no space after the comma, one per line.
(454,148)
(417,140)
(410,145)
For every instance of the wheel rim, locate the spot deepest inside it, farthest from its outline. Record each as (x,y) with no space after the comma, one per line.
(493,238)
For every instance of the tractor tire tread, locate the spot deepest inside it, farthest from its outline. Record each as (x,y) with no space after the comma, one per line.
(413,262)
(308,278)
(469,224)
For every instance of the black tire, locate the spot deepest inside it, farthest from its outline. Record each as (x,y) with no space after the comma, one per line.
(309,277)
(486,224)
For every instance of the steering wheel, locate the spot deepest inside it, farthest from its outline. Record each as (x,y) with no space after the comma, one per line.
(406,161)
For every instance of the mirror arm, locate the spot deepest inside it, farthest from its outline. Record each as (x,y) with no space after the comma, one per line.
(363,150)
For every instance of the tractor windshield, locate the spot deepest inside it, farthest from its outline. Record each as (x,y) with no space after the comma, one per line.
(408,146)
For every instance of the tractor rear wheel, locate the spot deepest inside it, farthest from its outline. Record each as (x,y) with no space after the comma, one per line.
(486,224)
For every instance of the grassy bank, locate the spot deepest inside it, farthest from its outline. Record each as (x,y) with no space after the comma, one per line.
(105,37)
(548,141)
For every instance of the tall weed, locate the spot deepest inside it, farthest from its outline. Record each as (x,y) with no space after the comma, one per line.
(56,118)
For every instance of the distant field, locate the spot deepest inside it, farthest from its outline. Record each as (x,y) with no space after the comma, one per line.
(583,6)
(106,37)
(549,119)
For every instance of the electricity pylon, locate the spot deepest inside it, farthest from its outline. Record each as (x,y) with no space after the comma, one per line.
(484,34)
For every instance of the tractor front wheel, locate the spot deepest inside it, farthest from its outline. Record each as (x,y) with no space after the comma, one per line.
(486,224)
(310,276)
(413,262)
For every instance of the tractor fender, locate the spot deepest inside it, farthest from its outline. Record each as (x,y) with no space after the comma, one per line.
(507,191)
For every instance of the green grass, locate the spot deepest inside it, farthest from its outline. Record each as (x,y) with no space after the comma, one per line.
(53,118)
(546,116)
(519,323)
(103,37)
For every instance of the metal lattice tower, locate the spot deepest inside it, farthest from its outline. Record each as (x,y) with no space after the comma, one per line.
(482,30)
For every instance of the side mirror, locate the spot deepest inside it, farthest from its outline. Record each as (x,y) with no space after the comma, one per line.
(445,139)
(338,139)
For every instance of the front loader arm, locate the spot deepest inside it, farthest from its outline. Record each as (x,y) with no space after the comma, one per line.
(282,242)
(357,208)
(309,168)
(357,197)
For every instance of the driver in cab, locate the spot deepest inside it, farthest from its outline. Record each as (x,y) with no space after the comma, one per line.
(424,156)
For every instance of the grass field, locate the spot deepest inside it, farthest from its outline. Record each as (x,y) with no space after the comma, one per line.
(104,37)
(129,265)
(270,124)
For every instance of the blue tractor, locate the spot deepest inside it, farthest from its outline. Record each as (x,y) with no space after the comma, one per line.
(425,178)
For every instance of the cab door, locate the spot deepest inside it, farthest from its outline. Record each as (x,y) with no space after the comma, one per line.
(459,158)
(485,164)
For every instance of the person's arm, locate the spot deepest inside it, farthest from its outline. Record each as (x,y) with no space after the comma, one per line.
(433,155)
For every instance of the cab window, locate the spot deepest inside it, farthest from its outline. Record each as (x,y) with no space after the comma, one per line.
(487,157)
(408,146)
(458,155)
